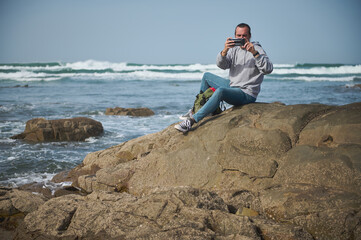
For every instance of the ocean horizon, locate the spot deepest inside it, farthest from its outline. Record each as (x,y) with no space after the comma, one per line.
(57,90)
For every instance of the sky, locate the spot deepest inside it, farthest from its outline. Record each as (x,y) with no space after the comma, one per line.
(177,32)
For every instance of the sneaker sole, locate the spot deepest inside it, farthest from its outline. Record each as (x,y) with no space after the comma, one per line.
(179,128)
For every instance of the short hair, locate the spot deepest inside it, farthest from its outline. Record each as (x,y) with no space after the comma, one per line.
(242,25)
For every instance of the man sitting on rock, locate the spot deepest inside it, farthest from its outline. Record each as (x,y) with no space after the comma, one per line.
(247,65)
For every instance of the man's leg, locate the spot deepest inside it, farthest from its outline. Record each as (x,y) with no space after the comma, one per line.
(208,80)
(211,80)
(233,96)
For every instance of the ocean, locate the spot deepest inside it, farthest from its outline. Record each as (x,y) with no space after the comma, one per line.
(65,90)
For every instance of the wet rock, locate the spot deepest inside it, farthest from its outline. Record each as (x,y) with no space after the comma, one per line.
(68,190)
(37,188)
(74,129)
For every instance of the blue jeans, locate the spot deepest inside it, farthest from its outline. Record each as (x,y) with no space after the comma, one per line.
(224,92)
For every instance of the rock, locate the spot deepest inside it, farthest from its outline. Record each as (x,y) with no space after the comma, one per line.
(75,129)
(247,212)
(14,205)
(74,174)
(67,190)
(354,86)
(297,164)
(136,112)
(175,213)
(272,230)
(63,176)
(326,213)
(337,127)
(337,168)
(37,188)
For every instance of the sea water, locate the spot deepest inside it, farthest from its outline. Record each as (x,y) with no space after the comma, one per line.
(85,89)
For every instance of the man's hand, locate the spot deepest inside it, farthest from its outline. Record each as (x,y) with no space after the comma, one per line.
(249,47)
(229,44)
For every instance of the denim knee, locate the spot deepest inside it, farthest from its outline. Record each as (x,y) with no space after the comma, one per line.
(219,93)
(207,74)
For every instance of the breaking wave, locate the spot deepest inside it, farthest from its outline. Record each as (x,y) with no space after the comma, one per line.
(103,70)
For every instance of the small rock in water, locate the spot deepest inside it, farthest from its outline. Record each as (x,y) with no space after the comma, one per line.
(136,112)
(74,129)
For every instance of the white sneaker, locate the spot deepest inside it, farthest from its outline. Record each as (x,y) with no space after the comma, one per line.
(185,125)
(189,114)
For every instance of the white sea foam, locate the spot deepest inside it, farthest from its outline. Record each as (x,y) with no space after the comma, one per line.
(96,65)
(103,65)
(117,67)
(44,178)
(21,179)
(7,140)
(283,65)
(126,71)
(32,68)
(315,78)
(4,108)
(123,66)
(14,107)
(27,76)
(320,70)
(91,139)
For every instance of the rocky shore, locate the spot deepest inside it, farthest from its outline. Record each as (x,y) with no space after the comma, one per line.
(260,171)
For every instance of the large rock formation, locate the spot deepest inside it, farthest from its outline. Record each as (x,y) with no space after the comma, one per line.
(260,171)
(135,112)
(74,129)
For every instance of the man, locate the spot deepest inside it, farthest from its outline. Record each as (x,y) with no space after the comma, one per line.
(247,65)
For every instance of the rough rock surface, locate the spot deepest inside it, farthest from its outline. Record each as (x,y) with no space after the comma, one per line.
(260,171)
(74,129)
(297,164)
(175,213)
(14,205)
(136,112)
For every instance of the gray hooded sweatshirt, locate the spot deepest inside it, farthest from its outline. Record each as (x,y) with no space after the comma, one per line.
(246,71)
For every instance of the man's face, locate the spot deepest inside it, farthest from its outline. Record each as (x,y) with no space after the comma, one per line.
(242,33)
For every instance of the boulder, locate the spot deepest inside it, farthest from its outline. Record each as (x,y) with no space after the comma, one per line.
(74,129)
(35,187)
(135,112)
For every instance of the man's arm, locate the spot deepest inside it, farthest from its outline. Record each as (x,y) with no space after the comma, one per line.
(263,63)
(222,61)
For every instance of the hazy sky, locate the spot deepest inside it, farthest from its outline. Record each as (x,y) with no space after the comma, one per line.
(182,31)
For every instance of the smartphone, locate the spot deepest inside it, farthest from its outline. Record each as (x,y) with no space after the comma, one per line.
(239,41)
